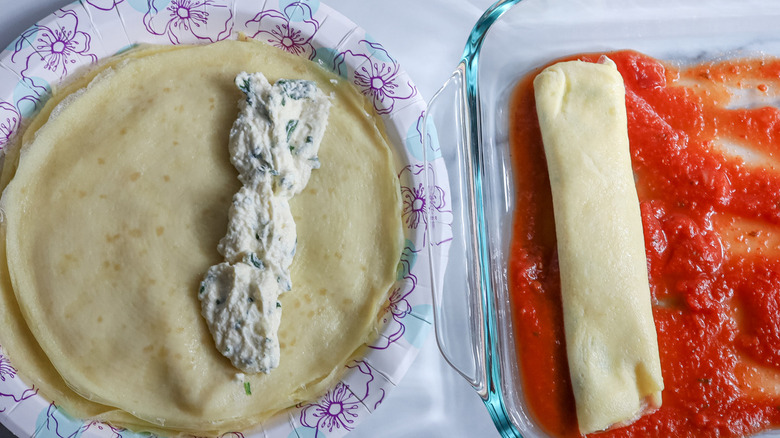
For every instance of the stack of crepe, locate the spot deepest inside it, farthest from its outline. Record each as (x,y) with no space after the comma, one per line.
(112,210)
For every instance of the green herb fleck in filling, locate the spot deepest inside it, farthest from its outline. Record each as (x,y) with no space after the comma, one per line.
(290,128)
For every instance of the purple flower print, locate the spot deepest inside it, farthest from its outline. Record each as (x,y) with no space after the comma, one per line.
(9,124)
(338,409)
(417,200)
(364,383)
(398,306)
(6,369)
(182,18)
(115,432)
(52,424)
(9,397)
(15,398)
(378,80)
(429,145)
(56,423)
(104,5)
(414,205)
(276,29)
(56,47)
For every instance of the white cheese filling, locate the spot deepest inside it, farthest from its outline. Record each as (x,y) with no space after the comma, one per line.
(273,145)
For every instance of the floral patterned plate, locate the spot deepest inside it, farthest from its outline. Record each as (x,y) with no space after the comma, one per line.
(86,31)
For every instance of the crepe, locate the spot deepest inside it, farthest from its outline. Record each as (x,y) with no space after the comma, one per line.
(610,335)
(114,215)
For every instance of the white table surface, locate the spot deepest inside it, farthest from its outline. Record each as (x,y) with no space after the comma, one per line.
(427,37)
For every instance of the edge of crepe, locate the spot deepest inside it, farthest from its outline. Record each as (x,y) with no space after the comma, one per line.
(68,93)
(62,96)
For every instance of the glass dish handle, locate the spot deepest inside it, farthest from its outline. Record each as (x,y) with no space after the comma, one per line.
(456,292)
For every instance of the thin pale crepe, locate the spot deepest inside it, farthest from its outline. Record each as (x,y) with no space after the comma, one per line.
(114,214)
(610,335)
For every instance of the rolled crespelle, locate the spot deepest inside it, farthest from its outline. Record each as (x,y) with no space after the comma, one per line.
(610,335)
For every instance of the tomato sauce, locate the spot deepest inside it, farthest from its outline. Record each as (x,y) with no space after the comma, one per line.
(709,190)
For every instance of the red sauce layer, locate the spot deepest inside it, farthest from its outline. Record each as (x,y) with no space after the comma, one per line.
(709,190)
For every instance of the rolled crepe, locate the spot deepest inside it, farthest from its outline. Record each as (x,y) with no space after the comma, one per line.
(610,335)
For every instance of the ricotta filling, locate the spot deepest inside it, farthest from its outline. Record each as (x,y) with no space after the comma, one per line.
(273,145)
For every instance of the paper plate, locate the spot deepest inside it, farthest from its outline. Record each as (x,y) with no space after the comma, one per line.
(87,31)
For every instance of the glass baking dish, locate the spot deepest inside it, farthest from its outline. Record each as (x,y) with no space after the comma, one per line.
(467,130)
